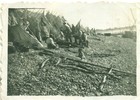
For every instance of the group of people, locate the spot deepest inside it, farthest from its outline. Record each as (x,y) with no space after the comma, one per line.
(80,38)
(66,34)
(73,37)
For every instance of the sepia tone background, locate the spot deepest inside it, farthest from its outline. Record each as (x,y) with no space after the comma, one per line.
(102,29)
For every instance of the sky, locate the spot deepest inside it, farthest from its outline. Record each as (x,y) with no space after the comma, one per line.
(99,15)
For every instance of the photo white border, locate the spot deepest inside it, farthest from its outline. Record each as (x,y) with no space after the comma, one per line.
(4,59)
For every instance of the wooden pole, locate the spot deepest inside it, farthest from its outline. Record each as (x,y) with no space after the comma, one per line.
(76,59)
(104,80)
(59,60)
(43,63)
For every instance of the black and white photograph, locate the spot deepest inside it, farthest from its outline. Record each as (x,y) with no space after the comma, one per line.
(72,49)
